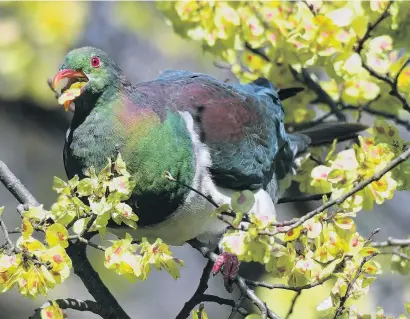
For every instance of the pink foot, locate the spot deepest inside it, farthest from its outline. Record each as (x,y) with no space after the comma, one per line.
(229,264)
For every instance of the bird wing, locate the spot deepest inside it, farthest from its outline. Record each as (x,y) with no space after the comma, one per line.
(242,125)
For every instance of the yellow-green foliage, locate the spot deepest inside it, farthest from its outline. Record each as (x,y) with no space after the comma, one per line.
(35,267)
(352,54)
(290,34)
(34,37)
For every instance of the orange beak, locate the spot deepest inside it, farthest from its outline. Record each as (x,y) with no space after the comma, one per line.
(67,73)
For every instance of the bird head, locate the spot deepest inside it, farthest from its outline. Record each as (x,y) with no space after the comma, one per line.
(85,71)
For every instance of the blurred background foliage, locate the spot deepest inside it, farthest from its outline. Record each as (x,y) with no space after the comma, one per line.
(34,37)
(272,38)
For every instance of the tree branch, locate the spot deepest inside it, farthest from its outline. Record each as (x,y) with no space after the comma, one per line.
(392,83)
(397,253)
(343,300)
(6,234)
(224,301)
(237,307)
(373,26)
(310,7)
(239,281)
(76,251)
(391,242)
(302,198)
(292,306)
(15,187)
(321,94)
(257,51)
(367,109)
(294,127)
(284,287)
(199,293)
(293,224)
(86,241)
(70,303)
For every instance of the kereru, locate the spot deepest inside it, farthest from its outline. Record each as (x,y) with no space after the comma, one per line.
(214,137)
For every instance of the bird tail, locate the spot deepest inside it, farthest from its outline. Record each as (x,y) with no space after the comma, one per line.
(283,94)
(288,92)
(326,132)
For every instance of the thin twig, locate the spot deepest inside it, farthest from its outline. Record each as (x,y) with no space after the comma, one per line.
(346,296)
(302,198)
(371,27)
(396,78)
(392,83)
(391,242)
(257,51)
(6,234)
(15,231)
(374,232)
(294,127)
(395,92)
(208,198)
(399,159)
(292,306)
(197,296)
(239,281)
(394,118)
(87,242)
(310,7)
(397,253)
(223,301)
(285,287)
(237,307)
(322,95)
(71,303)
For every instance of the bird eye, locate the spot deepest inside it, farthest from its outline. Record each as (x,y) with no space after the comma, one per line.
(95,62)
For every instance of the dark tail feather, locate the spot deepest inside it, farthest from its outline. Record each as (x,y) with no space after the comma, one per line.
(289,92)
(326,132)
(282,93)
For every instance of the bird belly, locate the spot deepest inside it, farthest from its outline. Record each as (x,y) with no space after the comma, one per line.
(195,218)
(190,220)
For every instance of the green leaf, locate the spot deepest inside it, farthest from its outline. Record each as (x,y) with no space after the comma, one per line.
(380,313)
(120,166)
(81,207)
(367,251)
(238,218)
(80,225)
(221,209)
(60,186)
(400,265)
(407,307)
(73,182)
(1,210)
(36,212)
(325,305)
(242,201)
(84,187)
(199,313)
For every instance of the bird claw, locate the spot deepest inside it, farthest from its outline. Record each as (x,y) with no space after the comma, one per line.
(228,265)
